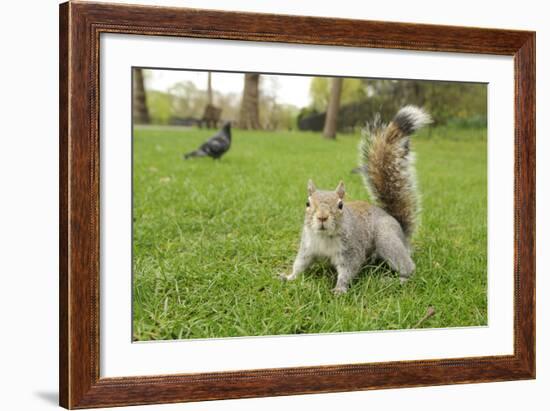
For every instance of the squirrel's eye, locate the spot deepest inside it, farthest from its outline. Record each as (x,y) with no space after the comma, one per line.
(340,205)
(307,204)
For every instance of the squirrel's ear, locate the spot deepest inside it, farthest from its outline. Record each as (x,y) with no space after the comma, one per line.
(341,189)
(310,187)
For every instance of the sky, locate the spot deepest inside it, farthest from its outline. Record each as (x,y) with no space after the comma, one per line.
(288,89)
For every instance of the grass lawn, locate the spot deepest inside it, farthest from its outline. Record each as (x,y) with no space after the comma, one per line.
(210,237)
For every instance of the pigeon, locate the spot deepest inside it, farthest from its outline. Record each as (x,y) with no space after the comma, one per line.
(216,146)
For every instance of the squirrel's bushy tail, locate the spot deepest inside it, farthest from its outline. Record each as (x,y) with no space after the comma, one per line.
(387,165)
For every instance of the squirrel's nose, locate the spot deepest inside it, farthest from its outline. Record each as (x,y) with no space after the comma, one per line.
(322,218)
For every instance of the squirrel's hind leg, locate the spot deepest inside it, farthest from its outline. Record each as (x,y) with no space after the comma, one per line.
(392,248)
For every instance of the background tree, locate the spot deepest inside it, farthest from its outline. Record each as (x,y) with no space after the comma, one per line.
(160,106)
(331,119)
(140,111)
(229,103)
(210,100)
(188,100)
(249,117)
(449,103)
(353,89)
(275,115)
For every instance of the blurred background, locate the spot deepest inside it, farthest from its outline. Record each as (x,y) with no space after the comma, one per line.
(286,102)
(210,237)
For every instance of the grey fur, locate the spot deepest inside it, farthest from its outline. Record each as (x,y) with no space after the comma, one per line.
(358,232)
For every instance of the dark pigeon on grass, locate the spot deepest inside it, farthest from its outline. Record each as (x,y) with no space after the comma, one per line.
(216,146)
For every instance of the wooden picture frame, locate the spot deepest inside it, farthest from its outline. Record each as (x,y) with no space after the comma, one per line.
(80,27)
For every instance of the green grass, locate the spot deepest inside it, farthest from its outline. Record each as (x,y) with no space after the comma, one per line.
(210,237)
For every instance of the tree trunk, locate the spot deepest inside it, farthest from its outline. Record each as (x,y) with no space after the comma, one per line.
(331,119)
(210,98)
(140,111)
(249,118)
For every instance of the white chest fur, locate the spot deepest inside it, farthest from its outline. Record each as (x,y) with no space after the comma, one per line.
(323,246)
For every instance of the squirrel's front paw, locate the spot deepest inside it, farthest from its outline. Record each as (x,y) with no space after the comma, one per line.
(286,277)
(339,289)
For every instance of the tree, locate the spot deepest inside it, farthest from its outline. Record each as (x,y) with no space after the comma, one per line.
(319,93)
(333,106)
(159,104)
(249,118)
(353,90)
(187,99)
(209,90)
(139,107)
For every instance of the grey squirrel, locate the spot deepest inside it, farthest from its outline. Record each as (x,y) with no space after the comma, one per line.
(351,233)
